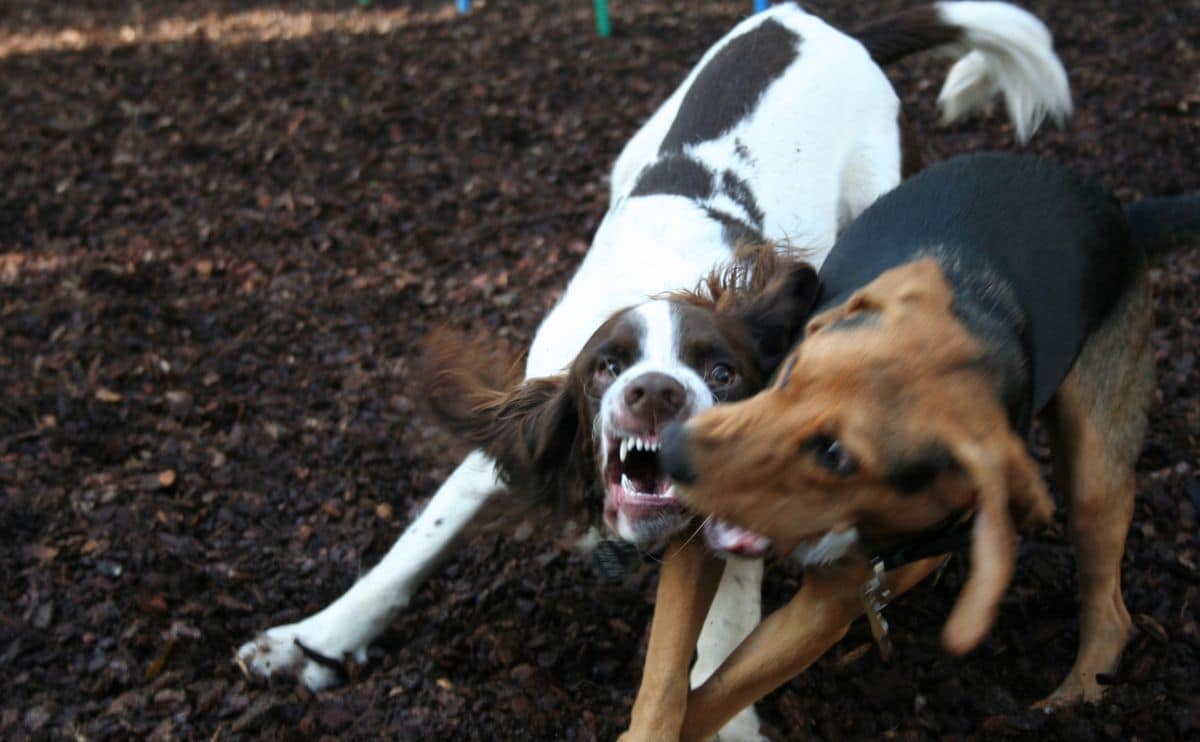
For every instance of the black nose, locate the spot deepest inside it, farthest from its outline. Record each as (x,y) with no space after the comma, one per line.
(674,456)
(655,396)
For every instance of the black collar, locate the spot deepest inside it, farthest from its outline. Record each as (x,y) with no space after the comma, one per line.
(947,536)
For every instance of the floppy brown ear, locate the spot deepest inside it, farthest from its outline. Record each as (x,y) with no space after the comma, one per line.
(863,299)
(530,428)
(1007,484)
(776,314)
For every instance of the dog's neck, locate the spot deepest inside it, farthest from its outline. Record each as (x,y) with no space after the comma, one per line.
(985,302)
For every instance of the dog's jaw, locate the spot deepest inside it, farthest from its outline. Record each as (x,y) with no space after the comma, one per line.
(639,504)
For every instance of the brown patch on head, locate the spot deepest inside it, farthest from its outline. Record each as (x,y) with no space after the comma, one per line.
(559,440)
(886,422)
(763,295)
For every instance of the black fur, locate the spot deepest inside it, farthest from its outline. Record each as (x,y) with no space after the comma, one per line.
(729,87)
(1053,245)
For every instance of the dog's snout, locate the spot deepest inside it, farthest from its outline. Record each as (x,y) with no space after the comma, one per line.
(655,395)
(674,456)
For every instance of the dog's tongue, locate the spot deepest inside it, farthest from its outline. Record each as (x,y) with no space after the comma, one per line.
(731,539)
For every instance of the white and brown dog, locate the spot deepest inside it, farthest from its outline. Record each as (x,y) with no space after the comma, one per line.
(784,131)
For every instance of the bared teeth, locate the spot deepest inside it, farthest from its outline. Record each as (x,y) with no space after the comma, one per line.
(630,489)
(634,443)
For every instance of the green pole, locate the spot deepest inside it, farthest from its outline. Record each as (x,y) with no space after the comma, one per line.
(603,22)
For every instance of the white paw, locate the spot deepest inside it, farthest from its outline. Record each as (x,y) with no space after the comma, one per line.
(276,652)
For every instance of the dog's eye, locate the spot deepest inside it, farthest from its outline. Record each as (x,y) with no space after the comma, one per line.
(721,374)
(832,455)
(607,368)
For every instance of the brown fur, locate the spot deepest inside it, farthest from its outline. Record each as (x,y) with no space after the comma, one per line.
(754,270)
(532,428)
(540,430)
(899,384)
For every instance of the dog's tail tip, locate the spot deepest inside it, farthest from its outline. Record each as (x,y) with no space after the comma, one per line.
(1010,52)
(1031,97)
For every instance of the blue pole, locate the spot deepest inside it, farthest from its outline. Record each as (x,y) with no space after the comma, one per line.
(761,5)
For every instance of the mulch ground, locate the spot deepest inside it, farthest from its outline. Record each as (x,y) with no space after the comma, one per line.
(224,232)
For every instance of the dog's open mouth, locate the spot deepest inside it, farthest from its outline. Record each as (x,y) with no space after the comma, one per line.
(633,473)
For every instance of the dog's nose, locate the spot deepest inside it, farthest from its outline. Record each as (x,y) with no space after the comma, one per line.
(674,456)
(655,396)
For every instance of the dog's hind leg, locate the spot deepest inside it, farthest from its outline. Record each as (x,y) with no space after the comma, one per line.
(788,641)
(1096,425)
(349,624)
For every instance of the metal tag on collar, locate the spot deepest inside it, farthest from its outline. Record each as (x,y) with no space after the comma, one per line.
(614,559)
(875,597)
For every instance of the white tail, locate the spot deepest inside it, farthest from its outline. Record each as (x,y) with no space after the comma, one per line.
(1005,50)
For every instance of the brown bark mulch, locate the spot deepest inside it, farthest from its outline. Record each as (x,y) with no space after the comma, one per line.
(224,231)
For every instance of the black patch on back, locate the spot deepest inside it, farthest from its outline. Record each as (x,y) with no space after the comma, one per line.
(676,175)
(729,87)
(733,230)
(1053,241)
(739,192)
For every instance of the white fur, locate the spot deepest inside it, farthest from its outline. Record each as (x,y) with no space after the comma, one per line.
(1008,51)
(736,610)
(824,143)
(831,547)
(658,351)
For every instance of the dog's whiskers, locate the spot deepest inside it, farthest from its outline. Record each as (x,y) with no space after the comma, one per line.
(694,533)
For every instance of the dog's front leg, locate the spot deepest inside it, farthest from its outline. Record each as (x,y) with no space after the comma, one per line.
(686,585)
(349,624)
(787,642)
(735,612)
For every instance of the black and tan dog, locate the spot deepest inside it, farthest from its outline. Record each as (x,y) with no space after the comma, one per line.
(985,292)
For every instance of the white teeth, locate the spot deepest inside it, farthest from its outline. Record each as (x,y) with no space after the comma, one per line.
(627,484)
(636,444)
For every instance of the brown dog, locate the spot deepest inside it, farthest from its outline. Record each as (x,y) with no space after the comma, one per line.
(981,293)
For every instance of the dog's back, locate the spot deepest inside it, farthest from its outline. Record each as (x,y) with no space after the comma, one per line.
(1045,254)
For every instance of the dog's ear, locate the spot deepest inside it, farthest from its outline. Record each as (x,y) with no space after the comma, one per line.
(1009,491)
(532,429)
(912,471)
(537,438)
(919,283)
(776,313)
